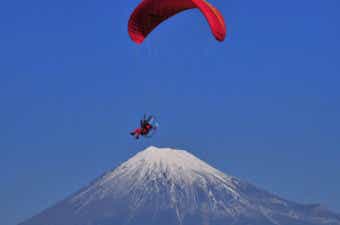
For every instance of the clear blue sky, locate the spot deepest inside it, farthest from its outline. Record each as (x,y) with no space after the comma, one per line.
(264,105)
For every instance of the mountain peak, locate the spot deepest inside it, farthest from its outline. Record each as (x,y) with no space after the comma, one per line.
(177,174)
(177,165)
(173,187)
(168,156)
(164,154)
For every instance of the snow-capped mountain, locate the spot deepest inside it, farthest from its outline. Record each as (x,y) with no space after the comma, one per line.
(173,187)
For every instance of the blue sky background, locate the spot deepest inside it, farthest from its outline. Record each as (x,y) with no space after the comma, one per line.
(264,105)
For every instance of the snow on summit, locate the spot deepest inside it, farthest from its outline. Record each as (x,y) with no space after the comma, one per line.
(172,162)
(173,187)
(149,169)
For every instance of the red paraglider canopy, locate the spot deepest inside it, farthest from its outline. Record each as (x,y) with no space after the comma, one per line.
(150,13)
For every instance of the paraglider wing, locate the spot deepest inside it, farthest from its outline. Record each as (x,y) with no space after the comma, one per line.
(214,18)
(150,13)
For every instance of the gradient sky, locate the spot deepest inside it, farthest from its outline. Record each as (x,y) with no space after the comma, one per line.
(264,105)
